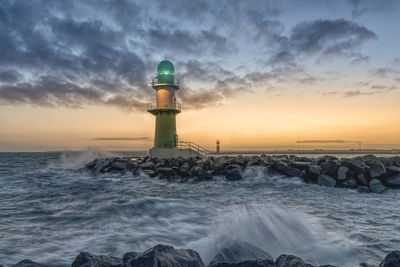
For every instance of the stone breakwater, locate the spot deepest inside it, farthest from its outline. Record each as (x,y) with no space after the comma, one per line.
(237,254)
(366,173)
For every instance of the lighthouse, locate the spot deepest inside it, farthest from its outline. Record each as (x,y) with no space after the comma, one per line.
(166,143)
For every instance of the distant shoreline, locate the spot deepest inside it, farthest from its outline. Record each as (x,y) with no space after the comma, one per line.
(258,152)
(317,151)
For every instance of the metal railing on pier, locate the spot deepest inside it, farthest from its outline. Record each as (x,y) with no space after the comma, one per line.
(197,149)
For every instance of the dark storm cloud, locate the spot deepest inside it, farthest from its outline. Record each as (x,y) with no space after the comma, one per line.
(101,52)
(76,58)
(361,7)
(9,76)
(178,41)
(329,37)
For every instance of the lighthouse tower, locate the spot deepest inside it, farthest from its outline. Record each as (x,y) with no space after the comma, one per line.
(166,143)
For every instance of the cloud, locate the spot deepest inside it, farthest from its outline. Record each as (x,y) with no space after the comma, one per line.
(338,37)
(338,141)
(361,7)
(9,76)
(141,138)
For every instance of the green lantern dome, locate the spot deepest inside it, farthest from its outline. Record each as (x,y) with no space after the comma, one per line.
(166,72)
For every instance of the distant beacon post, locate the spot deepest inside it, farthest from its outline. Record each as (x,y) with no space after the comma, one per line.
(217,148)
(165,138)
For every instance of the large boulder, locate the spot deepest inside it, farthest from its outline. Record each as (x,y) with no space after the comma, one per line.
(249,263)
(240,251)
(29,263)
(291,261)
(287,170)
(312,173)
(302,165)
(326,180)
(355,165)
(147,165)
(376,186)
(342,173)
(392,170)
(85,259)
(118,166)
(391,260)
(362,179)
(165,256)
(393,181)
(184,169)
(377,170)
(165,172)
(330,167)
(369,159)
(234,174)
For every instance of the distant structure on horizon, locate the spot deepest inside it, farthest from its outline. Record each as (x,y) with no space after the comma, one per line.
(166,143)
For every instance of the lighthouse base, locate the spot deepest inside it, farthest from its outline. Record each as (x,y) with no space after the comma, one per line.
(173,152)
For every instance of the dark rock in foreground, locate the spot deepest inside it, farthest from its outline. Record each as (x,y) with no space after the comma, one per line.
(29,263)
(249,263)
(291,261)
(168,256)
(240,251)
(86,259)
(391,260)
(164,256)
(366,174)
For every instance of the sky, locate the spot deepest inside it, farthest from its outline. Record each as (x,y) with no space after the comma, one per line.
(254,74)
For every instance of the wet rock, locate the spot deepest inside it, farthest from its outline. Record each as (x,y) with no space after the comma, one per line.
(376,186)
(392,181)
(351,183)
(300,165)
(128,258)
(391,260)
(196,171)
(250,263)
(165,172)
(234,174)
(238,252)
(326,180)
(166,256)
(85,259)
(392,170)
(363,189)
(342,173)
(313,172)
(287,170)
(184,169)
(377,170)
(29,263)
(118,166)
(325,158)
(291,261)
(233,166)
(147,165)
(361,179)
(330,167)
(150,173)
(369,159)
(355,165)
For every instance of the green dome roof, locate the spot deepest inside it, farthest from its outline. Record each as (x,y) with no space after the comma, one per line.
(165,72)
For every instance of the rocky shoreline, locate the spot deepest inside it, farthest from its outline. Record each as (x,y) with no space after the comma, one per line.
(237,254)
(366,173)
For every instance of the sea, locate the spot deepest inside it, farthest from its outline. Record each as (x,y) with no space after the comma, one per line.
(50,211)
